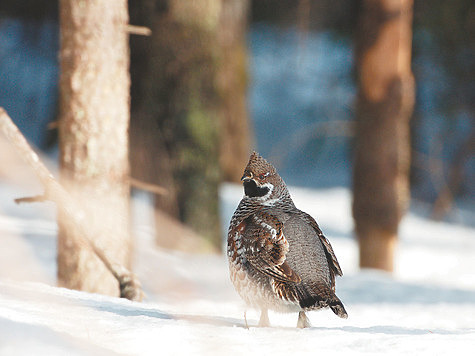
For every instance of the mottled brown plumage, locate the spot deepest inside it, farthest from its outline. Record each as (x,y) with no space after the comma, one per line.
(279,258)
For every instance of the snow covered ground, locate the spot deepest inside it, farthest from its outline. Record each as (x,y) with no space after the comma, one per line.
(426,308)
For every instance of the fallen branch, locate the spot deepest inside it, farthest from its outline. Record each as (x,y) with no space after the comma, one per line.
(130,286)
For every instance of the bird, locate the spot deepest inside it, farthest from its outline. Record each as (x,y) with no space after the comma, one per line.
(278,257)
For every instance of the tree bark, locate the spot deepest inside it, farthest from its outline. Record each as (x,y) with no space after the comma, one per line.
(186,43)
(177,113)
(94,118)
(150,160)
(235,131)
(382,147)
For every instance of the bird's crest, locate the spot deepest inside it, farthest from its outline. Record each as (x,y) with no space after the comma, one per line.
(258,165)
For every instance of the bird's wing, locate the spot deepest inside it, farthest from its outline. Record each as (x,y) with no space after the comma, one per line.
(265,246)
(335,268)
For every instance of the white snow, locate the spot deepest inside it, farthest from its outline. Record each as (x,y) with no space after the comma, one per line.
(426,308)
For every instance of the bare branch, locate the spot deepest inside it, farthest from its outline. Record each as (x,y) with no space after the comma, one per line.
(34,199)
(153,188)
(53,125)
(130,287)
(139,30)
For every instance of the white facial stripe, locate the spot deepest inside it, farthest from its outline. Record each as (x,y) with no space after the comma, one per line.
(267,196)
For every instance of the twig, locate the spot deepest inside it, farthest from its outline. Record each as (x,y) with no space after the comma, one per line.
(139,30)
(153,188)
(53,125)
(34,199)
(130,286)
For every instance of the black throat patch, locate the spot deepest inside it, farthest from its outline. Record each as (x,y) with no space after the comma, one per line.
(252,190)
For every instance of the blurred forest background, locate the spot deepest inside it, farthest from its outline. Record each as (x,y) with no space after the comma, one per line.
(216,79)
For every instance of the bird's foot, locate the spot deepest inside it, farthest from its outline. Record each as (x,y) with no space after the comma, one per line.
(264,319)
(245,321)
(303,321)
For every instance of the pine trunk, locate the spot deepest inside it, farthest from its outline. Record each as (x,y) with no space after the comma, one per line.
(177,109)
(94,109)
(150,160)
(235,132)
(382,147)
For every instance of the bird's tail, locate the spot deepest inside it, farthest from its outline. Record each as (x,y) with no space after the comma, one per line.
(313,301)
(337,307)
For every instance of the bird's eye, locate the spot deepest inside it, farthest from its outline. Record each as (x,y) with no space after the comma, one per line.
(263,175)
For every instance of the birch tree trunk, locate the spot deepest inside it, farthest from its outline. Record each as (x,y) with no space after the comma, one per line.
(93,138)
(384,107)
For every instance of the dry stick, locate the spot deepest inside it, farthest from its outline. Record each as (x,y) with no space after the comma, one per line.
(139,30)
(148,187)
(130,286)
(34,199)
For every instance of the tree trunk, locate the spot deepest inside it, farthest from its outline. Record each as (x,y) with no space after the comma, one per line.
(186,74)
(382,147)
(235,136)
(150,160)
(177,108)
(94,118)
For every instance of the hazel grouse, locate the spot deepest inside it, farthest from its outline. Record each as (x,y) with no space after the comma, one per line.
(279,258)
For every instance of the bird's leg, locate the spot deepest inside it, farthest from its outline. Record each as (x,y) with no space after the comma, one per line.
(303,321)
(245,320)
(264,319)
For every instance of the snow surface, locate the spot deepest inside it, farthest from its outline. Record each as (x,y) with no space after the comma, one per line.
(426,308)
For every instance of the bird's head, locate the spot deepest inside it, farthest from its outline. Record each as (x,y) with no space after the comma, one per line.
(261,181)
